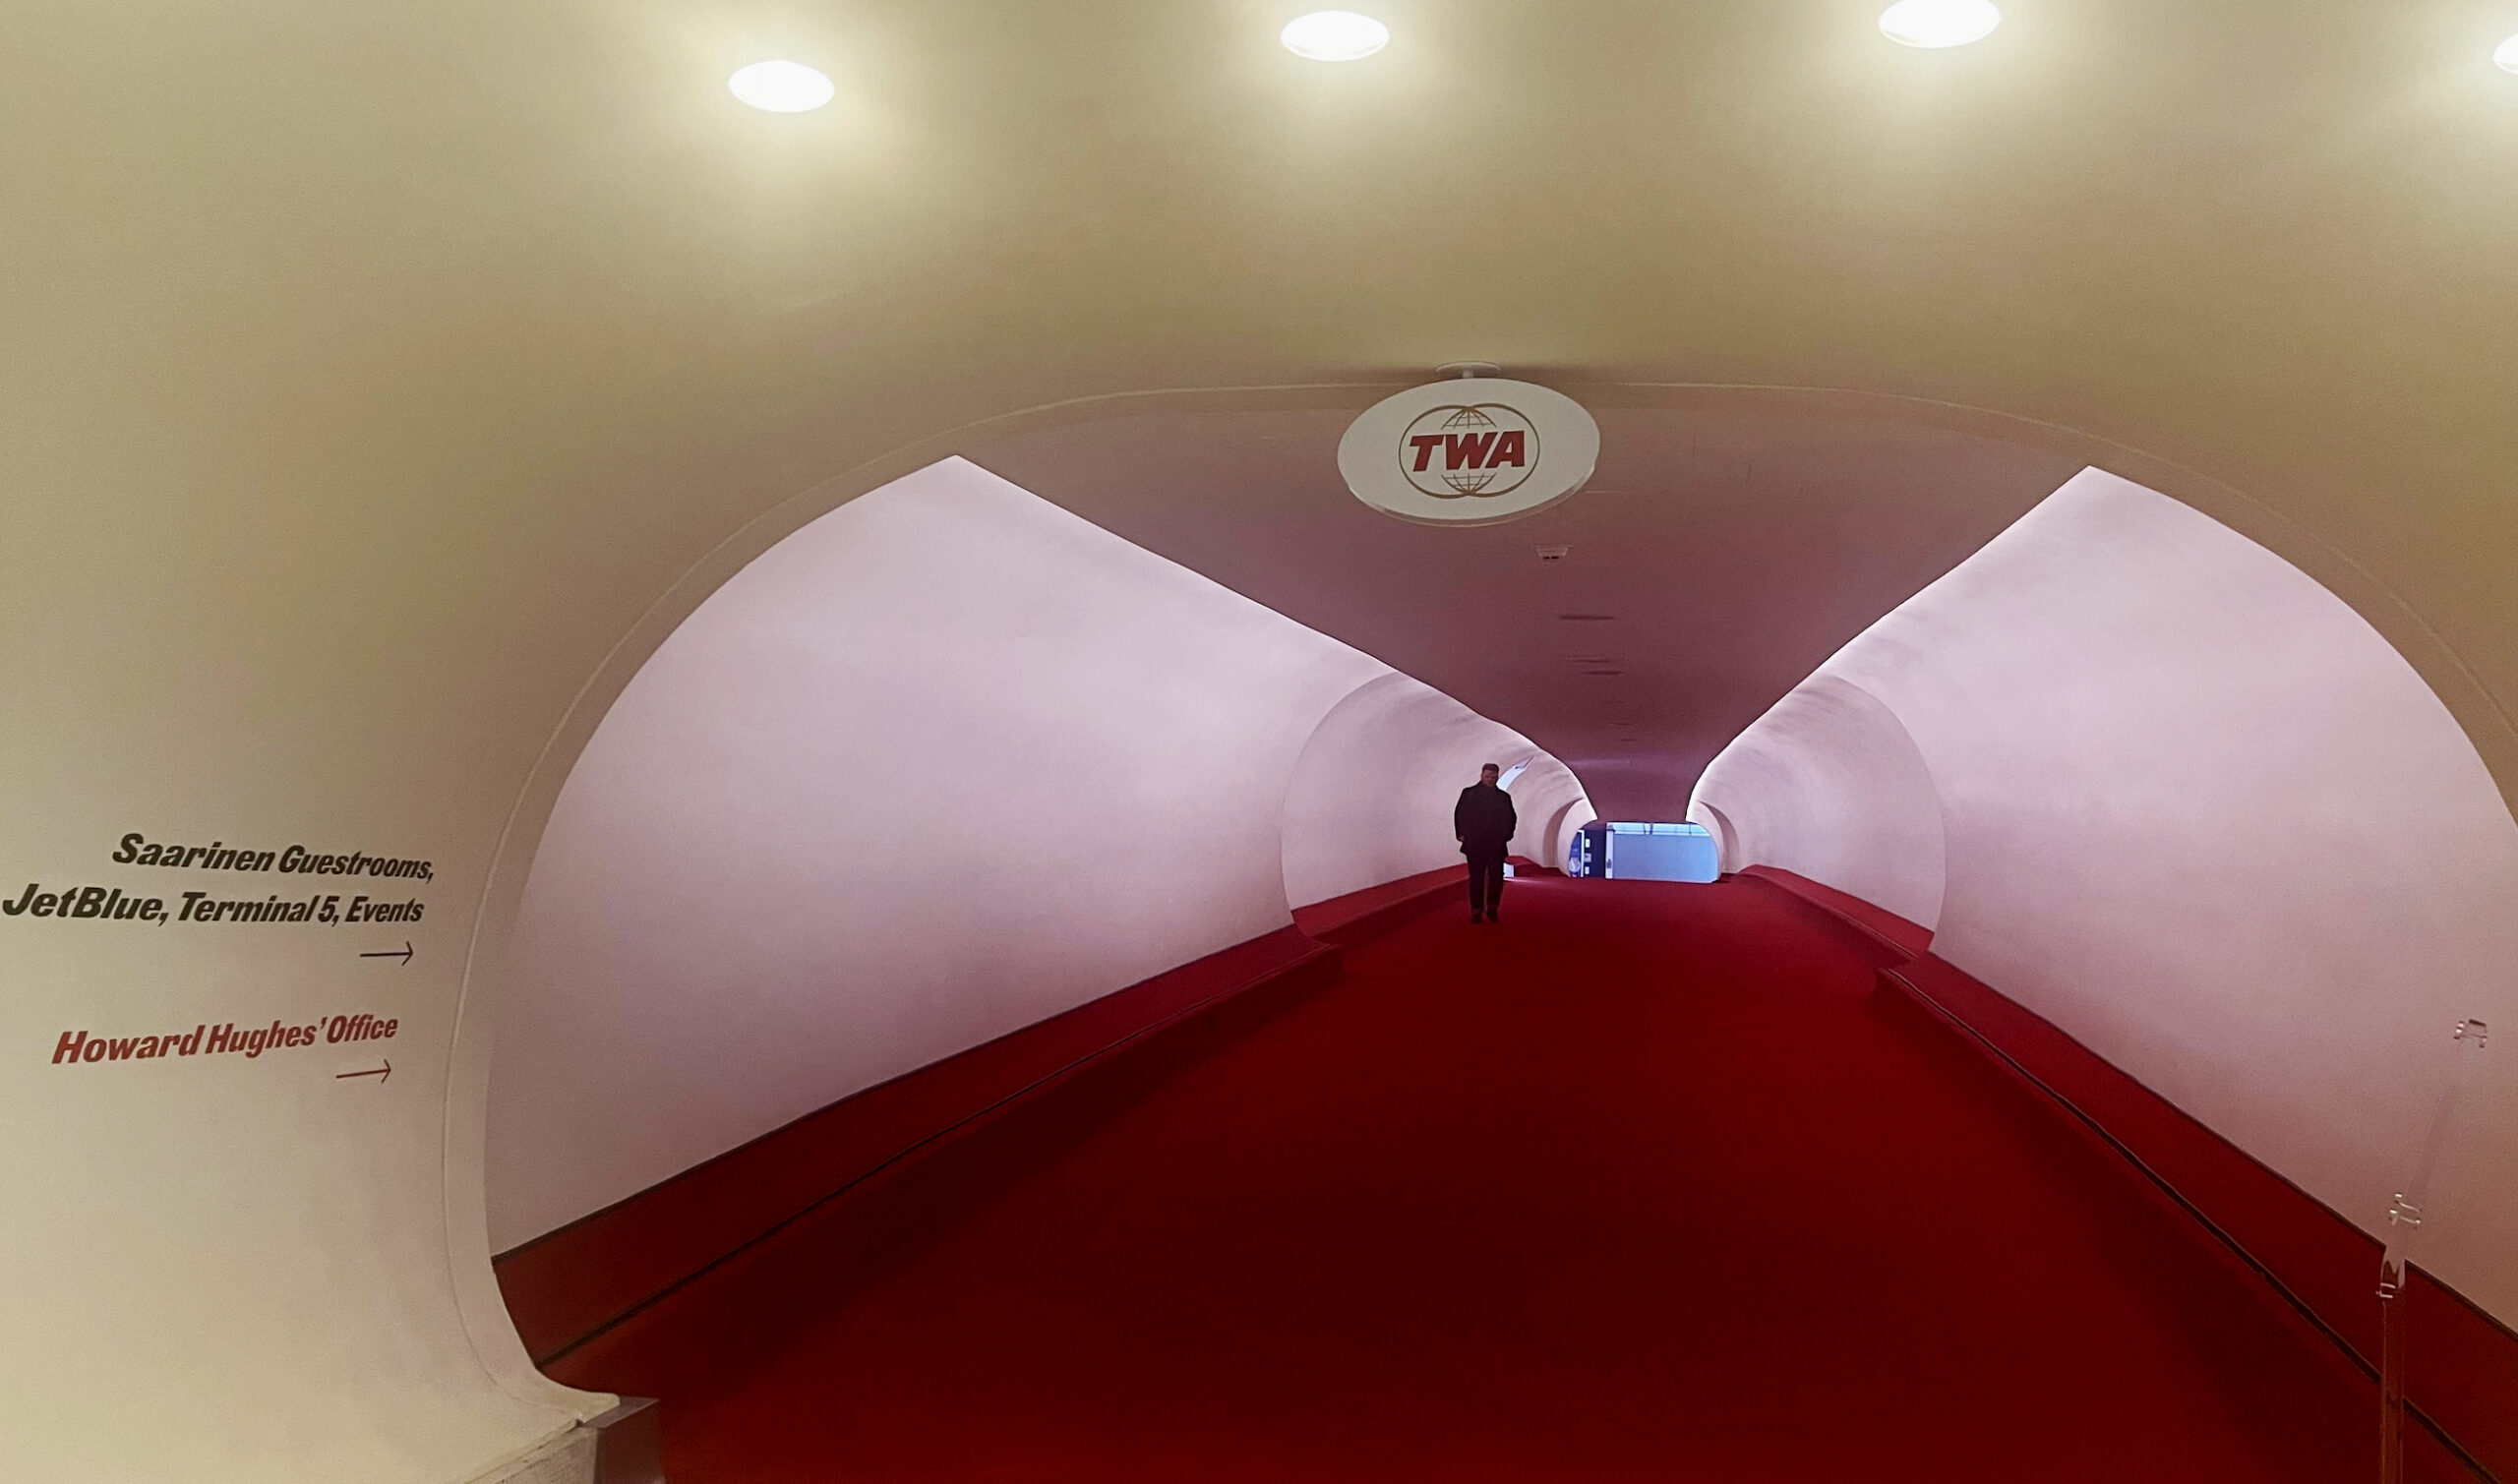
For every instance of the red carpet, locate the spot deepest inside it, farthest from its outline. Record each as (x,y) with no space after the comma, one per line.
(1643,1183)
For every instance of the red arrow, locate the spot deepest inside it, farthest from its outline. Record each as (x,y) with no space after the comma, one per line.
(383,1074)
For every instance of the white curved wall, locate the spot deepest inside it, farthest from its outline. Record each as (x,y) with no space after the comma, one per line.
(945,762)
(2201,816)
(1726,838)
(1829,784)
(1543,798)
(1568,825)
(1372,794)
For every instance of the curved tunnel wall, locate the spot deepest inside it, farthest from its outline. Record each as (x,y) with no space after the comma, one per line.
(2198,814)
(1829,784)
(1543,798)
(1372,793)
(943,763)
(1568,825)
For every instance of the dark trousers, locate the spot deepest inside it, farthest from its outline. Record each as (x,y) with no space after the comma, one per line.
(1485,881)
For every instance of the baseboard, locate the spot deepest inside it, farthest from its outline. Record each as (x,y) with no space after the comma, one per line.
(1375,910)
(571,1284)
(1903,938)
(569,1459)
(2462,1363)
(624,1445)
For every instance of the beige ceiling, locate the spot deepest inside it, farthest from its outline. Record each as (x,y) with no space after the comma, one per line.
(1716,558)
(491,320)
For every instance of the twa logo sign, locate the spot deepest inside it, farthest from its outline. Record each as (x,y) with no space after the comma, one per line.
(1454,453)
(1471,451)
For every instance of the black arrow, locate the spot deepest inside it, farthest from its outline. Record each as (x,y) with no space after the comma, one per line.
(383,1074)
(404,955)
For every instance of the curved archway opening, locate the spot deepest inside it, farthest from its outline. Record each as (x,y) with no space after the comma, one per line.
(946,778)
(1841,832)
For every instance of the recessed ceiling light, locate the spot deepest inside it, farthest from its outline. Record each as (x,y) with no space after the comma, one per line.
(2506,57)
(1939,22)
(1334,35)
(780,87)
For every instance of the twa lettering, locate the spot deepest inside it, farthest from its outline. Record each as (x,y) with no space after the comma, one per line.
(1471,450)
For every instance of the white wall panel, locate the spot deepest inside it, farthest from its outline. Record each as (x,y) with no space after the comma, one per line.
(1544,799)
(1570,824)
(944,762)
(1372,794)
(2200,814)
(1827,784)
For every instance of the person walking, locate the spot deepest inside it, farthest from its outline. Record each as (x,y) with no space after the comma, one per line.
(1484,822)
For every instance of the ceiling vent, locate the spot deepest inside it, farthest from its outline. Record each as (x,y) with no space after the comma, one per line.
(1554,553)
(1586,618)
(1604,671)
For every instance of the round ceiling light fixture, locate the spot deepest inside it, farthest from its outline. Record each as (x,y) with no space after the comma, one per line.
(1935,24)
(781,87)
(2506,56)
(1334,35)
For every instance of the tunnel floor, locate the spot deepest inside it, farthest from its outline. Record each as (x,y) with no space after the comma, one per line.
(1644,1182)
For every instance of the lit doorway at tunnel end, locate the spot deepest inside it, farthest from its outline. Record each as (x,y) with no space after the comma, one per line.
(1634,850)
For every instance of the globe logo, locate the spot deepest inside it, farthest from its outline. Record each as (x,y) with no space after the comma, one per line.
(1456,452)
(1466,451)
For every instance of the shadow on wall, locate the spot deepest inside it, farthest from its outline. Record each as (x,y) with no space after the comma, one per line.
(942,764)
(2157,785)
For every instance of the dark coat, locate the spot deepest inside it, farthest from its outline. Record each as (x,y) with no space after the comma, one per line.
(1483,819)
